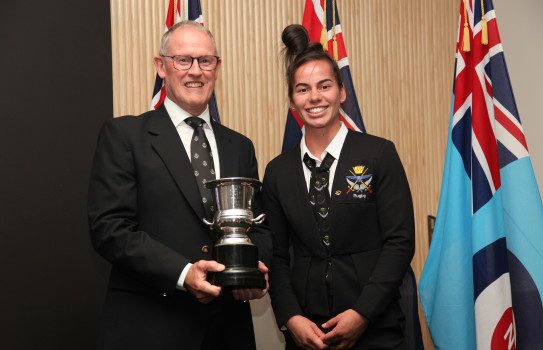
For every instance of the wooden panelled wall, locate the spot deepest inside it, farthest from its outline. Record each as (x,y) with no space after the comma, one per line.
(401,55)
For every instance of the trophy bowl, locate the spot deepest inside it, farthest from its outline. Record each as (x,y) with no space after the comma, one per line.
(232,220)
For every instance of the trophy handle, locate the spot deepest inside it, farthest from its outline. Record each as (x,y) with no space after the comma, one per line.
(207,222)
(259,219)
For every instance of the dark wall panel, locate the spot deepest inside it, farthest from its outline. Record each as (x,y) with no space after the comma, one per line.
(55,92)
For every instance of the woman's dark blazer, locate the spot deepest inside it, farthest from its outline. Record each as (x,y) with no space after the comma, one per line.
(371,239)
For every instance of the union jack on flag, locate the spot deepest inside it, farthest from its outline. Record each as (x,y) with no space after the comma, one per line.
(482,282)
(314,20)
(177,12)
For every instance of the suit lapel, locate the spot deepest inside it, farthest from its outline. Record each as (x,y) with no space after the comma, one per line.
(228,165)
(169,147)
(302,195)
(338,187)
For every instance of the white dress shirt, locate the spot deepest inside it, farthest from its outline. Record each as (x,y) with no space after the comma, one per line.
(178,116)
(334,148)
(185,131)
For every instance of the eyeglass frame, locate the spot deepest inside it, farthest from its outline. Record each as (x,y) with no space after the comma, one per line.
(192,61)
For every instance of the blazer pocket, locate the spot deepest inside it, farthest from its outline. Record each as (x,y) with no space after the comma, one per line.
(300,273)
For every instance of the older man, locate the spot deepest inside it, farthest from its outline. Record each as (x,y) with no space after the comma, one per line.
(146,205)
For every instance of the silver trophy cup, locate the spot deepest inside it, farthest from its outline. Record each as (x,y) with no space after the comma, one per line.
(233,218)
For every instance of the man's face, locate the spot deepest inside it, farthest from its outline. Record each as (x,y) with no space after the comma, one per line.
(189,89)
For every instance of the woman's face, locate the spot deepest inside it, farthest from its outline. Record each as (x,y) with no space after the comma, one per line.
(316,95)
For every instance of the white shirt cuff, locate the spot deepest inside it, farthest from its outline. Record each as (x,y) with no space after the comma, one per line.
(181,281)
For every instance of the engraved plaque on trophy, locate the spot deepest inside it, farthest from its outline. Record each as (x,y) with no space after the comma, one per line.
(233,218)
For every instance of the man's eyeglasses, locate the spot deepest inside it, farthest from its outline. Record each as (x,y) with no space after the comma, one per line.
(182,62)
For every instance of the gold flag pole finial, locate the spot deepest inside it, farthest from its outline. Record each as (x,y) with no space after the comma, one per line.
(334,23)
(324,32)
(484,28)
(465,45)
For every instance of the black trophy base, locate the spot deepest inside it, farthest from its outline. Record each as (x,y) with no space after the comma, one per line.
(241,261)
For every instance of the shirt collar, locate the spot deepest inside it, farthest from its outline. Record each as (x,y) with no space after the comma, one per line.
(178,114)
(334,148)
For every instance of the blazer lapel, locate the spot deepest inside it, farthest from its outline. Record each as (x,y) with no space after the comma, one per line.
(168,145)
(339,185)
(228,165)
(302,194)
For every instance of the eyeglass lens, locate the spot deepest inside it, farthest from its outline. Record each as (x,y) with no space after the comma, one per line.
(185,62)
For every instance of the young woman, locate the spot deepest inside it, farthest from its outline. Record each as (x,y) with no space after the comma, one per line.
(340,207)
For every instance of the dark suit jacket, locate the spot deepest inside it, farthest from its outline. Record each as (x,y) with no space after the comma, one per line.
(145,216)
(371,239)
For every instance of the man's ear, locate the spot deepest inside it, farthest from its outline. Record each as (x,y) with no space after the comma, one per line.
(159,65)
(216,71)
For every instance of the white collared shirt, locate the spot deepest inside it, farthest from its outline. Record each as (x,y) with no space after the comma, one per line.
(178,116)
(334,148)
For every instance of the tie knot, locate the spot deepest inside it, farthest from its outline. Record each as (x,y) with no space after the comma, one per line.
(310,163)
(195,122)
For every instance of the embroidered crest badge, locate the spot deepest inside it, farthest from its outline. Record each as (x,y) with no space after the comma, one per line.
(359,181)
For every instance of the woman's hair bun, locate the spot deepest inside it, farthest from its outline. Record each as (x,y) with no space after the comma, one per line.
(295,38)
(299,50)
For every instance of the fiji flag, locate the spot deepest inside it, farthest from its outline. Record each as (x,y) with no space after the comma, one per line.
(327,31)
(482,282)
(183,10)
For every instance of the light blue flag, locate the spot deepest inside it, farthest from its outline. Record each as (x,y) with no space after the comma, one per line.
(482,283)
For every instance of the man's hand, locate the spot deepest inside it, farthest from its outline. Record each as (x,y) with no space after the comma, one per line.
(305,333)
(196,280)
(246,294)
(348,327)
